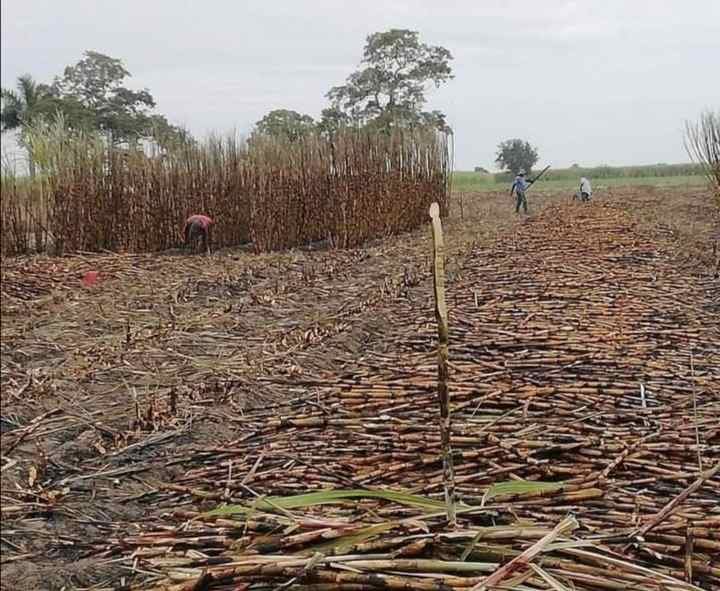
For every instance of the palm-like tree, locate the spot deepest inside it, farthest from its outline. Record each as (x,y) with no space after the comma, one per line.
(20,107)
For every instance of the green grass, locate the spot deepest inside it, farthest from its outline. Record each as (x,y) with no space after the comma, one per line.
(332,496)
(467,181)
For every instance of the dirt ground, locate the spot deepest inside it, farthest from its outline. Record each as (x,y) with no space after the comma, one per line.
(106,386)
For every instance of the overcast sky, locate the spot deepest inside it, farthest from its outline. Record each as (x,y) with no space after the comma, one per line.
(587,81)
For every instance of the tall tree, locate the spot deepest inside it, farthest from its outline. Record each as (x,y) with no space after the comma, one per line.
(22,106)
(89,96)
(389,87)
(285,124)
(96,84)
(514,154)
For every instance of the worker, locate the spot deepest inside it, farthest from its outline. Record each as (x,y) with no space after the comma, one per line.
(585,189)
(519,187)
(198,227)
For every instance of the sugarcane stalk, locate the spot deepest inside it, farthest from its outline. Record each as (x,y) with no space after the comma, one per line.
(441,315)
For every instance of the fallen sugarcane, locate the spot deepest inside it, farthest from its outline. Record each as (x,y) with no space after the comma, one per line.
(575,372)
(557,413)
(349,554)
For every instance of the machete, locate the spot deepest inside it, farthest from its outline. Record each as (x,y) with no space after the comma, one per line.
(542,172)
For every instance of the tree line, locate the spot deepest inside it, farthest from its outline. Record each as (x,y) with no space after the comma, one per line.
(387,91)
(89,95)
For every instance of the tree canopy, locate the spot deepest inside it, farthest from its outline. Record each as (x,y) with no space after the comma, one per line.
(387,91)
(29,101)
(285,124)
(96,84)
(516,154)
(90,95)
(332,119)
(389,87)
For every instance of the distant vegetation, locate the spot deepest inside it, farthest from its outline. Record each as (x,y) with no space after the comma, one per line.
(566,178)
(89,96)
(614,172)
(386,92)
(515,155)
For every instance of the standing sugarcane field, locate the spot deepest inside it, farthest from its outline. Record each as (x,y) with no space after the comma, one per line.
(331,352)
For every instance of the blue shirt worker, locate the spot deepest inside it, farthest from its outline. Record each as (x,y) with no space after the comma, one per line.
(519,187)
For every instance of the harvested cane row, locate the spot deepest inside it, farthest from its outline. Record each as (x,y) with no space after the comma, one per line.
(586,435)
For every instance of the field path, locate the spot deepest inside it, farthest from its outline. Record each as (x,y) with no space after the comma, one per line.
(581,354)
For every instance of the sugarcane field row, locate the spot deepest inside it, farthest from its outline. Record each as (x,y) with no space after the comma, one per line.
(355,187)
(270,421)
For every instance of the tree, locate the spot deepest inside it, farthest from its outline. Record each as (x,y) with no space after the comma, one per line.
(167,135)
(89,96)
(434,119)
(389,88)
(95,86)
(285,124)
(332,119)
(29,101)
(21,107)
(512,155)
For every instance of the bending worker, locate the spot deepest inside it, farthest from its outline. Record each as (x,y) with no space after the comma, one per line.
(519,187)
(197,227)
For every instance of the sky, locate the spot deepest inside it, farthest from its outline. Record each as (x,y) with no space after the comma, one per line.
(590,82)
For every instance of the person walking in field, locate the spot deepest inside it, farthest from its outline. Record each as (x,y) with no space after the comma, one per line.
(585,189)
(197,227)
(520,187)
